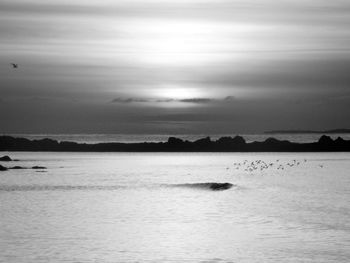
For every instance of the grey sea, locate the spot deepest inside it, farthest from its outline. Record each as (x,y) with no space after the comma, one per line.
(159,207)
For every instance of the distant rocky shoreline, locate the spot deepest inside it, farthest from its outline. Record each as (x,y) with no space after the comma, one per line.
(223,144)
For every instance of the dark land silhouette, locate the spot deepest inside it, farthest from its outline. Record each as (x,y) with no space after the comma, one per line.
(223,144)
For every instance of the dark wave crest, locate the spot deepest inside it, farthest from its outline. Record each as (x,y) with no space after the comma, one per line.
(10,188)
(206,186)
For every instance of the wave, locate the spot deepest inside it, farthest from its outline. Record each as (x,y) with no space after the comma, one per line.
(10,188)
(205,186)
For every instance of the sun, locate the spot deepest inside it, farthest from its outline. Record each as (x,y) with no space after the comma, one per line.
(177,93)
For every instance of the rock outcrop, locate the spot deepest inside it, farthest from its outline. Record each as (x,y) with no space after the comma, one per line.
(5,159)
(3,168)
(17,168)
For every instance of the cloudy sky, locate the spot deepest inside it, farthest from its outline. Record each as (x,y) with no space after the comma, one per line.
(174,66)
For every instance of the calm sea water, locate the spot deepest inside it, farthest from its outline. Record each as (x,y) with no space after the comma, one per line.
(150,207)
(128,138)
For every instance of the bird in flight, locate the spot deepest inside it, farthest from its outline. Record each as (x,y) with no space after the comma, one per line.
(14,65)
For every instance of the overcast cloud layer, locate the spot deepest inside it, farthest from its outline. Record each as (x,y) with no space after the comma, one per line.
(174,66)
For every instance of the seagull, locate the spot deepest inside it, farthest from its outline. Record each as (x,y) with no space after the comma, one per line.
(14,65)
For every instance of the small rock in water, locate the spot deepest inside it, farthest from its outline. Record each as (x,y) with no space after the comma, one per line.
(3,168)
(5,158)
(17,167)
(220,186)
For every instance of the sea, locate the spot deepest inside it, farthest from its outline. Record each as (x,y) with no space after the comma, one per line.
(160,207)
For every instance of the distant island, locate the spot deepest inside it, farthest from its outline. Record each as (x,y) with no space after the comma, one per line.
(308,131)
(223,144)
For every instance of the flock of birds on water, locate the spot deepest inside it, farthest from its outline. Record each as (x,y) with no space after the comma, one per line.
(260,165)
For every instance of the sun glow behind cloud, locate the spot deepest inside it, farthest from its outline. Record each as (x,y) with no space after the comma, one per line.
(186,43)
(178,92)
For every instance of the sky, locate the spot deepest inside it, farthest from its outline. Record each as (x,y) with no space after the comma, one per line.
(174,66)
